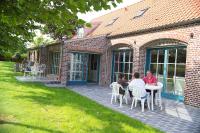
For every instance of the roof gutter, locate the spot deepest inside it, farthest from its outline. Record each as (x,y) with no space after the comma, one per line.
(156,29)
(44,45)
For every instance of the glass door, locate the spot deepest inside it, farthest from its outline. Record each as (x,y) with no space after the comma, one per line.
(168,64)
(122,63)
(55,62)
(78,68)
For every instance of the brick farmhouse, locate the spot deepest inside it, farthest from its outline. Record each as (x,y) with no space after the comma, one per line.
(158,35)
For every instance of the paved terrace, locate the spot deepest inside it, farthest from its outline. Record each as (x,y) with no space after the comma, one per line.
(174,118)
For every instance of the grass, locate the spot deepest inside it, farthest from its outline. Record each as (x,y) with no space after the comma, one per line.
(34,108)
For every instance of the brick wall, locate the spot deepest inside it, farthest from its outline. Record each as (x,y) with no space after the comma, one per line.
(97,45)
(170,37)
(192,90)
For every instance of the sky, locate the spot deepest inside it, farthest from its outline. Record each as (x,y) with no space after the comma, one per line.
(91,15)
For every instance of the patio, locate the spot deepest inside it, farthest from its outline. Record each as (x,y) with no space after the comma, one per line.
(37,79)
(174,118)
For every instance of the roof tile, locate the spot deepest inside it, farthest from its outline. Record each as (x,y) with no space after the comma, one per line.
(160,13)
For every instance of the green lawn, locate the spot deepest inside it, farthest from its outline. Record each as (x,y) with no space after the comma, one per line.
(32,107)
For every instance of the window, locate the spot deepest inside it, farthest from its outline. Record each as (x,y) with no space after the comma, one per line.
(112,21)
(55,62)
(168,64)
(140,13)
(123,63)
(78,67)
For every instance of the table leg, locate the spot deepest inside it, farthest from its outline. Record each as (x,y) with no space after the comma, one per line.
(152,100)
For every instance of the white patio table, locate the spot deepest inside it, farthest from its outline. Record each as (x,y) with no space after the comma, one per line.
(152,88)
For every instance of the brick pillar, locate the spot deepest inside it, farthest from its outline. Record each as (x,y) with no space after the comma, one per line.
(43,58)
(136,56)
(105,68)
(43,55)
(102,69)
(192,77)
(65,65)
(142,61)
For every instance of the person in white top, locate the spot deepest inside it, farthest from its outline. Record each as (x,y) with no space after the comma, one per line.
(137,86)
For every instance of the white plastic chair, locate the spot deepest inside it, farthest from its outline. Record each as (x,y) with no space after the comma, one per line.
(115,93)
(137,96)
(34,70)
(135,99)
(27,69)
(158,99)
(41,69)
(123,97)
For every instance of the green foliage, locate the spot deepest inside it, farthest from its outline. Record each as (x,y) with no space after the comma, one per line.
(34,108)
(19,19)
(24,56)
(38,41)
(41,40)
(7,56)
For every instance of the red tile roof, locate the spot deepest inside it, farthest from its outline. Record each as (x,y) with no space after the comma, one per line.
(160,13)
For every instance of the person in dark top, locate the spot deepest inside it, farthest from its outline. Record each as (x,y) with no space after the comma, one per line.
(123,82)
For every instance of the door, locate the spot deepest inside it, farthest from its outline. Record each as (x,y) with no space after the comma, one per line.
(54,62)
(78,68)
(93,68)
(168,64)
(122,63)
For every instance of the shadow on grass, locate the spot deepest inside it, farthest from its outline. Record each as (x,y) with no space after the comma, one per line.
(65,97)
(29,126)
(40,94)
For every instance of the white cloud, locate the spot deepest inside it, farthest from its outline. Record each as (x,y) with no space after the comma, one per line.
(91,15)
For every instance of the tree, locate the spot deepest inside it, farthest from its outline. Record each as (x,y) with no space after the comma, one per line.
(19,18)
(41,40)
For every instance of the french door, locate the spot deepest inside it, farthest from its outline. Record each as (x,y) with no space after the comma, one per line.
(55,62)
(168,64)
(78,68)
(84,68)
(122,63)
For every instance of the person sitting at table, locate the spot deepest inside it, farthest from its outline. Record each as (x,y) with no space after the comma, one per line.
(123,82)
(137,86)
(150,79)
